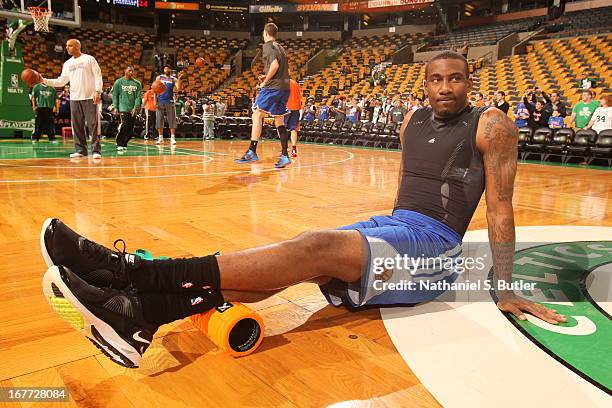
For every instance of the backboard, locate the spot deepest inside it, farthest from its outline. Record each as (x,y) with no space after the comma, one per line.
(64,12)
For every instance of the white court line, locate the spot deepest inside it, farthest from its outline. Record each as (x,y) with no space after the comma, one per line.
(350,157)
(101,166)
(207,155)
(182,148)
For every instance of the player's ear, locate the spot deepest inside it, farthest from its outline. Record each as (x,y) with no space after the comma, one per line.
(425,87)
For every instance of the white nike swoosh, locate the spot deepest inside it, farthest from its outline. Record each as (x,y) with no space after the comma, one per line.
(136,336)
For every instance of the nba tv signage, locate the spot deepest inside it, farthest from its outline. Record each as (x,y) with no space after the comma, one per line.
(293,8)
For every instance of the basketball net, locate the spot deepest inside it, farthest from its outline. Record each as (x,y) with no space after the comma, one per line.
(40,15)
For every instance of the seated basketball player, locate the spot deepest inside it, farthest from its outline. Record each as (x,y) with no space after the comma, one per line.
(451,153)
(272,97)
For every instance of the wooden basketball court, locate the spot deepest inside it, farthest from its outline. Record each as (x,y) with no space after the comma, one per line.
(194,200)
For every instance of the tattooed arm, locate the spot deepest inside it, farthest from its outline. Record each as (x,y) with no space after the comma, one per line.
(497,141)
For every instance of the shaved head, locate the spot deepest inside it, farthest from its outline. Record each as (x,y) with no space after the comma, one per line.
(73,46)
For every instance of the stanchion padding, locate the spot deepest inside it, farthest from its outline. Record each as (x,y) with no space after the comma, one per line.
(233,327)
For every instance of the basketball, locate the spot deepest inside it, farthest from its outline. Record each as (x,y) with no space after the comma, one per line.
(30,77)
(199,62)
(158,87)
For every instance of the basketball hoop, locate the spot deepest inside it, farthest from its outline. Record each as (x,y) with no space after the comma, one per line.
(40,15)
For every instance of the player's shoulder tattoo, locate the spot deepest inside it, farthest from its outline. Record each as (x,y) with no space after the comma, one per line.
(497,126)
(500,155)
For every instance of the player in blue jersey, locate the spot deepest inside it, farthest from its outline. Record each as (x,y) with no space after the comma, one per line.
(165,105)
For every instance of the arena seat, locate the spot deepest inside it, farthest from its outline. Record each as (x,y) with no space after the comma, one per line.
(603,147)
(557,146)
(541,137)
(581,145)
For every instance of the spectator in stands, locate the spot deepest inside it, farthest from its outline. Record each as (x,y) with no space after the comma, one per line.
(586,83)
(179,104)
(208,117)
(107,99)
(480,100)
(602,118)
(556,121)
(377,110)
(521,115)
(157,62)
(221,108)
(310,111)
(500,102)
(382,79)
(323,111)
(583,111)
(149,101)
(338,108)
(59,50)
(63,109)
(418,104)
(409,102)
(190,106)
(538,115)
(397,113)
(353,111)
(368,108)
(554,102)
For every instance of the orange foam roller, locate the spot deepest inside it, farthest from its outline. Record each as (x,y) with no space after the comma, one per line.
(233,327)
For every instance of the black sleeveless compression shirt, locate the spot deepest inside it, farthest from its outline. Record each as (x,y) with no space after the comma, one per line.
(443,172)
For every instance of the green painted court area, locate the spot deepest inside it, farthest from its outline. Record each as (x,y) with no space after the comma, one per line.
(25,149)
(583,342)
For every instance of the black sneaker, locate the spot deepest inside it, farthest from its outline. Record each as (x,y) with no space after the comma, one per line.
(96,264)
(111,319)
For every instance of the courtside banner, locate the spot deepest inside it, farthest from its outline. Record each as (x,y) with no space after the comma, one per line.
(384,5)
(395,3)
(293,8)
(226,8)
(171,5)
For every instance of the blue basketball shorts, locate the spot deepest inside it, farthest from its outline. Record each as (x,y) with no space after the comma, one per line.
(292,120)
(272,101)
(407,253)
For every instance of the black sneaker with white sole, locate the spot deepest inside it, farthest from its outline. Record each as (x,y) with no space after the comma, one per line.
(96,264)
(111,319)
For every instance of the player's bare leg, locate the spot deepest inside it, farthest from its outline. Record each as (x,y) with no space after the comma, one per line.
(257,127)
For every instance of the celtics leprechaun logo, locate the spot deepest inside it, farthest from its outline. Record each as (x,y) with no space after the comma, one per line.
(573,278)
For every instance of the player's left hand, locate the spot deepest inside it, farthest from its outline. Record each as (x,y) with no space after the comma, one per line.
(96,98)
(517,305)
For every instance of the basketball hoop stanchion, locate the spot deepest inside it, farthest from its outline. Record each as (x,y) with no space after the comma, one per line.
(41,16)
